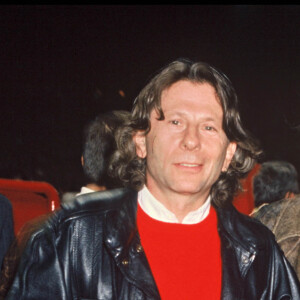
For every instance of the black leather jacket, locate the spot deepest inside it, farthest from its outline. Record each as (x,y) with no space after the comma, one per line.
(90,249)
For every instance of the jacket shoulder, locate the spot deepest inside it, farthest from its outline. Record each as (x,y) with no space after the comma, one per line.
(85,206)
(280,211)
(245,229)
(98,201)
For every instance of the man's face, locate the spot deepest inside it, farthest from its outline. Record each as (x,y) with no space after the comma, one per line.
(188,149)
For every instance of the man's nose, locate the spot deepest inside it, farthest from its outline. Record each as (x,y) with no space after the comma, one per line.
(191,138)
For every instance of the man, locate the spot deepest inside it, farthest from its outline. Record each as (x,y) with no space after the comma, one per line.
(277,201)
(172,233)
(97,147)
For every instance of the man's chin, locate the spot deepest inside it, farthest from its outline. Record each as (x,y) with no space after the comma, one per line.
(188,190)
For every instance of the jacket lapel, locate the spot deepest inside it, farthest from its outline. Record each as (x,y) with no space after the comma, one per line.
(238,250)
(123,241)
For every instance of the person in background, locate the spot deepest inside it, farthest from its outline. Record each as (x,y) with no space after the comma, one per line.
(97,146)
(172,232)
(277,201)
(6,226)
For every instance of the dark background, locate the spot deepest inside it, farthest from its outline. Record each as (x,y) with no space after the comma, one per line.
(61,65)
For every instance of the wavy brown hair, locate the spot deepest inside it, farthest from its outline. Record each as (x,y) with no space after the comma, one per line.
(127,166)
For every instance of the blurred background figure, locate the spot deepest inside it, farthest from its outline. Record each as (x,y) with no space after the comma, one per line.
(6,226)
(276,180)
(97,147)
(277,205)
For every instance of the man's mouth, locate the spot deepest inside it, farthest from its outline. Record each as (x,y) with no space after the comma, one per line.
(189,165)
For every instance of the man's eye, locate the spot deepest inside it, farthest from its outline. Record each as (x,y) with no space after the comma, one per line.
(209,128)
(175,122)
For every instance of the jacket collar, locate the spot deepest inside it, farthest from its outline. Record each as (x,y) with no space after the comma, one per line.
(239,228)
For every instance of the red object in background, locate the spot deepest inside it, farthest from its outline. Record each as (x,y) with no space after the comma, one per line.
(244,202)
(29,199)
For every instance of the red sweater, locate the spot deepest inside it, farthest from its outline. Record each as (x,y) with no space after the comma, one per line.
(185,260)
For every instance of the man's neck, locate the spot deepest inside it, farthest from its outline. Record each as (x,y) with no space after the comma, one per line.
(179,204)
(95,187)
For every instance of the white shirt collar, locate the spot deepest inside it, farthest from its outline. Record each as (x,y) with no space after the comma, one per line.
(158,211)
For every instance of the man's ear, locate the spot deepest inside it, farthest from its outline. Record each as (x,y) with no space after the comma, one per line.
(82,160)
(139,140)
(231,148)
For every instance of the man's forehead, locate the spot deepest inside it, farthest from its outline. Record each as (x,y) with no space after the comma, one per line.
(197,95)
(184,86)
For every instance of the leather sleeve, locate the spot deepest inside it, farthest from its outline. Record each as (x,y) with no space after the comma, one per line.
(39,275)
(291,278)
